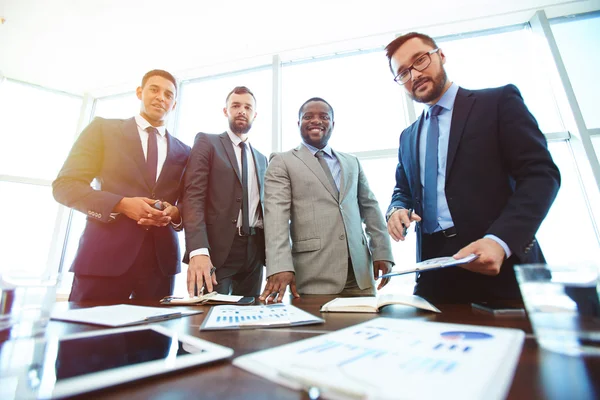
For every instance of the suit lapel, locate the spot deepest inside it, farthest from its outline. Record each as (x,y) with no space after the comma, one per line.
(130,130)
(413,165)
(260,167)
(313,164)
(462,107)
(228,147)
(170,156)
(344,174)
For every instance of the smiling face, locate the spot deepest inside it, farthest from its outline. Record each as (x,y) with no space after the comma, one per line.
(425,86)
(240,112)
(316,124)
(158,99)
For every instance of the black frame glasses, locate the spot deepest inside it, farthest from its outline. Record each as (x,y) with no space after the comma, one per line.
(420,64)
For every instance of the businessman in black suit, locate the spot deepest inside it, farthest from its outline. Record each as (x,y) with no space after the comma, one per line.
(128,248)
(222,203)
(476,170)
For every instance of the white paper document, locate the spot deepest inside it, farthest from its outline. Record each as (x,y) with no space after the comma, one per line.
(388,358)
(431,264)
(120,315)
(263,316)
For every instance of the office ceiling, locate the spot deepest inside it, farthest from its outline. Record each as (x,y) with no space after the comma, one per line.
(97,46)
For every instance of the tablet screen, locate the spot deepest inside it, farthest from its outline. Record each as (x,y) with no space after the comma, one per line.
(85,355)
(88,361)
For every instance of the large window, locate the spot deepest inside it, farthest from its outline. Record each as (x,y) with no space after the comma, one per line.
(202,103)
(360,88)
(37,127)
(578,41)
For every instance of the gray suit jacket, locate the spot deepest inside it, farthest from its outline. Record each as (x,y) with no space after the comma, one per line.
(311,232)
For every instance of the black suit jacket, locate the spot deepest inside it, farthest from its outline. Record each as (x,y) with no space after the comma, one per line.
(213,195)
(500,177)
(110,151)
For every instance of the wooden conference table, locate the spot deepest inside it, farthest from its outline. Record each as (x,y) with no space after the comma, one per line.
(540,374)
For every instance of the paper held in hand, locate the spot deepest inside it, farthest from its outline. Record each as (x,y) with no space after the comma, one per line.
(431,264)
(374,304)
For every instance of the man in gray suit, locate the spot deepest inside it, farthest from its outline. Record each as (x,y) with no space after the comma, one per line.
(223,187)
(320,198)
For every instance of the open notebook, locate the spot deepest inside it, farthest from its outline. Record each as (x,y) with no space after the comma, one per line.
(374,304)
(211,298)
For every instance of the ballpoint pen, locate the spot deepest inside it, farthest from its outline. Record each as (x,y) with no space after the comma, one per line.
(405,230)
(196,292)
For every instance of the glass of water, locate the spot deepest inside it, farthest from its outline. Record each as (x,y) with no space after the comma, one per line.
(25,305)
(563,306)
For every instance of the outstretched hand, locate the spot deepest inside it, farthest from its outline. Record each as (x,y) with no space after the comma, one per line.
(491,256)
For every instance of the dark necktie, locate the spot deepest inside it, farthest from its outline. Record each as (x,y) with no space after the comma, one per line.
(245,207)
(321,157)
(152,154)
(430,222)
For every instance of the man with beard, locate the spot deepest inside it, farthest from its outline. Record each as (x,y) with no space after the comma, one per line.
(222,205)
(476,170)
(129,248)
(316,201)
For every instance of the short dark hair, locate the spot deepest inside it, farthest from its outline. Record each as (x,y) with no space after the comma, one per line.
(311,100)
(240,90)
(161,73)
(395,44)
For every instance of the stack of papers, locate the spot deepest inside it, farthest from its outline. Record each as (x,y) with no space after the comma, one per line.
(388,358)
(120,315)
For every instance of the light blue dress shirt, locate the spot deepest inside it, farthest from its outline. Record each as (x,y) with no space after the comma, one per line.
(332,161)
(446,102)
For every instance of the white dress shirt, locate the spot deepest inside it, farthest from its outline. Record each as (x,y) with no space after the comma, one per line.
(161,141)
(253,190)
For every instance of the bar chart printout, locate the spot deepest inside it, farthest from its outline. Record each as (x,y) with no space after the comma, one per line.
(390,358)
(261,316)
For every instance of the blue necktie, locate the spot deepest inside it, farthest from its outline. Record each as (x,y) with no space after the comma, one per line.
(152,154)
(245,205)
(430,222)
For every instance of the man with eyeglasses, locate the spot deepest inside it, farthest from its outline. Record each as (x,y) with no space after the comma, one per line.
(474,171)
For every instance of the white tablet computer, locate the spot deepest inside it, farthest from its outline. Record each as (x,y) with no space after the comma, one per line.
(94,360)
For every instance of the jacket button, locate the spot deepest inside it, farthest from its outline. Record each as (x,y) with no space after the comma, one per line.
(233,221)
(238,199)
(342,236)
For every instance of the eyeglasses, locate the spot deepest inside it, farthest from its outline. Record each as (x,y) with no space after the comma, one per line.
(420,64)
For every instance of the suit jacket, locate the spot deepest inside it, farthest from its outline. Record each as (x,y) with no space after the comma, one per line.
(213,195)
(312,232)
(110,151)
(500,177)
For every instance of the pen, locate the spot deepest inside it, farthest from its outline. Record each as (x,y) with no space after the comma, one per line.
(196,293)
(162,317)
(405,230)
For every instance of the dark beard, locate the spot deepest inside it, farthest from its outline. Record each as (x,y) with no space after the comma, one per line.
(239,130)
(439,82)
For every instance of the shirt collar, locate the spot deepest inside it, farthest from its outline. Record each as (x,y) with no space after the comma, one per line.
(327,149)
(143,124)
(235,139)
(447,99)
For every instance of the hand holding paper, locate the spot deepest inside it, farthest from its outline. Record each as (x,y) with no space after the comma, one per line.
(433,263)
